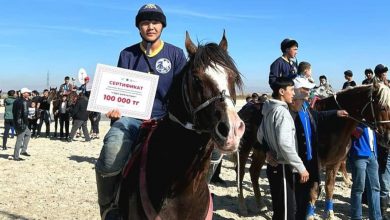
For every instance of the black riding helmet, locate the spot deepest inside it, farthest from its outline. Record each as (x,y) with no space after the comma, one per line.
(150,12)
(287,43)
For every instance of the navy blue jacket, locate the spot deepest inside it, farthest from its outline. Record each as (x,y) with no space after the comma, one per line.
(166,63)
(281,67)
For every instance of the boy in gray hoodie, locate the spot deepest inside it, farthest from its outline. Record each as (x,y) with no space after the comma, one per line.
(277,131)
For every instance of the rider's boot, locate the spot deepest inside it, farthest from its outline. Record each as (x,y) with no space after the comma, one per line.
(107,189)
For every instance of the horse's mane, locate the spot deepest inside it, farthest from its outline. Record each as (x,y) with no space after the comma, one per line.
(383,93)
(211,54)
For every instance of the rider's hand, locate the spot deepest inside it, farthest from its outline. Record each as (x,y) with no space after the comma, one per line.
(342,113)
(113,114)
(304,176)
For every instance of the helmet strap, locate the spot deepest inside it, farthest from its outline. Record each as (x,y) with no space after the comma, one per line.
(149,44)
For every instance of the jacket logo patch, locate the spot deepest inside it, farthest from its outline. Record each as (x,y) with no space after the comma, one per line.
(163,65)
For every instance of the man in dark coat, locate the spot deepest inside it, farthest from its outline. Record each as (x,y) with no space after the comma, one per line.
(80,117)
(20,113)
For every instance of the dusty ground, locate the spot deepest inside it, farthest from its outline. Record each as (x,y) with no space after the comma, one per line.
(58,182)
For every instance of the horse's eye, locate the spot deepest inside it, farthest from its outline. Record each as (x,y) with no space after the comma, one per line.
(197,81)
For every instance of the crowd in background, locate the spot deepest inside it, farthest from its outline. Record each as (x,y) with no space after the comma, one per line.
(27,111)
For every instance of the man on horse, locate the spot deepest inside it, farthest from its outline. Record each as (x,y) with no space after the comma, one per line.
(66,87)
(286,65)
(151,55)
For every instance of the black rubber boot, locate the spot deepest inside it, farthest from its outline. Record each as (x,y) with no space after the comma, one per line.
(106,189)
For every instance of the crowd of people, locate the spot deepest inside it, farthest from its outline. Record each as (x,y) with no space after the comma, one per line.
(291,147)
(27,111)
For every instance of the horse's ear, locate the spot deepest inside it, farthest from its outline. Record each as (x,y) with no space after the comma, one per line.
(190,46)
(223,44)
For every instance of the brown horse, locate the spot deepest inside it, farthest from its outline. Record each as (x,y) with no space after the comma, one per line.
(368,104)
(171,182)
(55,98)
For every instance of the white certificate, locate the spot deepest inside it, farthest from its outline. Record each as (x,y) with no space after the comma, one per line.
(130,91)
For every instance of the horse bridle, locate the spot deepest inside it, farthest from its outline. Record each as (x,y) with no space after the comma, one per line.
(193,111)
(372,125)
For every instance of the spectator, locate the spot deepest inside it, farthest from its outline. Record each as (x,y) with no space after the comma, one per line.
(277,131)
(253,100)
(369,76)
(304,69)
(32,118)
(63,111)
(306,121)
(44,111)
(83,88)
(263,98)
(94,118)
(20,113)
(80,118)
(362,157)
(349,83)
(8,116)
(324,89)
(286,65)
(383,154)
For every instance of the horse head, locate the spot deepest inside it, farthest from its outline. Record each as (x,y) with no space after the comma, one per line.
(379,113)
(53,93)
(208,89)
(369,105)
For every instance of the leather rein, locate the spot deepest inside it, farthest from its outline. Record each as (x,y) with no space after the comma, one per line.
(370,103)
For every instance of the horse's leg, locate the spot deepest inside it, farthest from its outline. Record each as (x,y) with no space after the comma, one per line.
(55,124)
(314,192)
(331,171)
(258,160)
(243,157)
(343,169)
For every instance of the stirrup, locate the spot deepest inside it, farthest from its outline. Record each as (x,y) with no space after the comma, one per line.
(112,213)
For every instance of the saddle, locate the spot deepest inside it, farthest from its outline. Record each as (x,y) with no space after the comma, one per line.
(147,127)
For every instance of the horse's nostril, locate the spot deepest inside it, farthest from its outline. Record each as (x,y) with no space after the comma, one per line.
(222,129)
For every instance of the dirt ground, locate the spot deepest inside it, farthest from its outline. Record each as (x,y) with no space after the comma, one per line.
(58,182)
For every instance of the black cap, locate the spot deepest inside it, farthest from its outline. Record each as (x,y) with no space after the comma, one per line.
(380,68)
(150,12)
(348,73)
(287,43)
